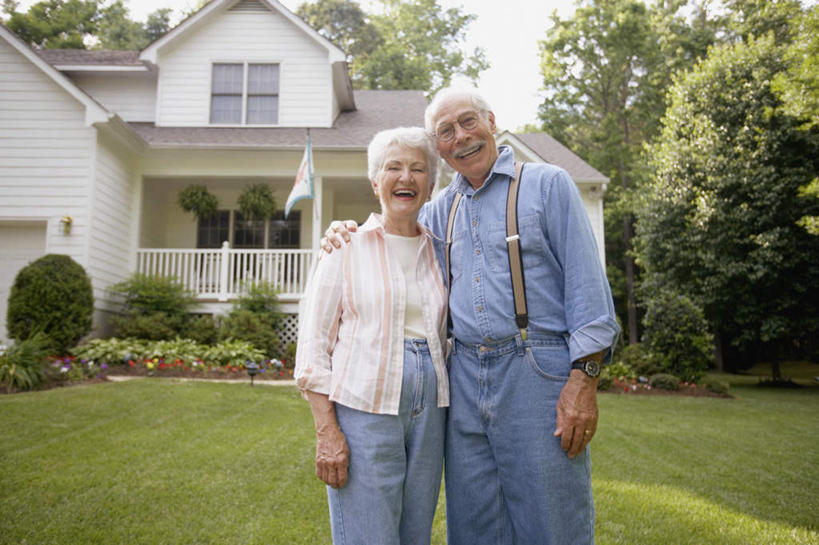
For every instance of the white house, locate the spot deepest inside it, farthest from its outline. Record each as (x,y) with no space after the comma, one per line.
(96,145)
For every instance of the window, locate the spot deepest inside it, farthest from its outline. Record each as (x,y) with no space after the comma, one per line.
(284,233)
(245,93)
(247,233)
(230,225)
(214,230)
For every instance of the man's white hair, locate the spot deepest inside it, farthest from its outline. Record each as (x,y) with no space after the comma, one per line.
(478,102)
(406,137)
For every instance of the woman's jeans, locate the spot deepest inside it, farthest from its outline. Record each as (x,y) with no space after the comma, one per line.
(507,479)
(395,463)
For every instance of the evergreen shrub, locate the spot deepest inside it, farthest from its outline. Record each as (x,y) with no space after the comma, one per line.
(51,295)
(664,381)
(676,335)
(154,308)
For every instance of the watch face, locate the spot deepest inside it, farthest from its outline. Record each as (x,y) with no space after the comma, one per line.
(592,368)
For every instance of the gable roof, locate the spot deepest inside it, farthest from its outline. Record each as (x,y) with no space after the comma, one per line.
(540,146)
(377,110)
(215,7)
(94,111)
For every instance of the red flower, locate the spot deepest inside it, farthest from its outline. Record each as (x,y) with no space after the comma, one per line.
(131,363)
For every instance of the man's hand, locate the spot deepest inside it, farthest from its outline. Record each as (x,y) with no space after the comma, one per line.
(332,456)
(338,234)
(577,413)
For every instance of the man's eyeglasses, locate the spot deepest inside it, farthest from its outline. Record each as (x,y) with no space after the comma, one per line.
(467,121)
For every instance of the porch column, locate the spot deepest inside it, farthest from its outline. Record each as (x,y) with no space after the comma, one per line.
(317,220)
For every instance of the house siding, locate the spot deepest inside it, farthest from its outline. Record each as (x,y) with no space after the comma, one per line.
(111,241)
(132,97)
(45,154)
(305,86)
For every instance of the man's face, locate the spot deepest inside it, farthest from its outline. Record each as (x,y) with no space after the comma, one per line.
(470,151)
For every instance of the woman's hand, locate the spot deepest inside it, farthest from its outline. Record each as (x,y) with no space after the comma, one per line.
(332,456)
(337,234)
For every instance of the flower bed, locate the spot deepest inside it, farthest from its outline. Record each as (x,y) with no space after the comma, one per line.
(268,370)
(634,386)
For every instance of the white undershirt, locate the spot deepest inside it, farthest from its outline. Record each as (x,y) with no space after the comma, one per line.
(406,250)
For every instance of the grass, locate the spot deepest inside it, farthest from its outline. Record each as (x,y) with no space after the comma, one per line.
(160,461)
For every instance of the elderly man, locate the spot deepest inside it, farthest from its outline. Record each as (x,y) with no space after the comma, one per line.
(523,404)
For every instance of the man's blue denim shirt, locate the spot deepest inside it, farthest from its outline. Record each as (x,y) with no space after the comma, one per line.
(567,292)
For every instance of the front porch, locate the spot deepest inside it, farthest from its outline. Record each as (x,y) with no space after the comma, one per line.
(217,275)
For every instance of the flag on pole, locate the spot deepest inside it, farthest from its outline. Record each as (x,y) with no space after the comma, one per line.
(303,185)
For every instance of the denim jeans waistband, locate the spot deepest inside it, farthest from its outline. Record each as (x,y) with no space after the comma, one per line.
(416,345)
(513,343)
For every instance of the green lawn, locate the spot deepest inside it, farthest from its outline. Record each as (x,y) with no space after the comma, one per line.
(156,461)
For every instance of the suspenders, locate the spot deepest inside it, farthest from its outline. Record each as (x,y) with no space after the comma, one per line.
(512,244)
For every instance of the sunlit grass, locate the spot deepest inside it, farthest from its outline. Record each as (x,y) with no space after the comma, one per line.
(156,461)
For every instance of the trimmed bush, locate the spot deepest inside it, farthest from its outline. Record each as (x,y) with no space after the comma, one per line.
(203,329)
(51,295)
(23,364)
(676,335)
(244,325)
(663,381)
(715,385)
(155,308)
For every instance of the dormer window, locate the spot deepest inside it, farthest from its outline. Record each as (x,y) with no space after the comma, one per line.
(245,94)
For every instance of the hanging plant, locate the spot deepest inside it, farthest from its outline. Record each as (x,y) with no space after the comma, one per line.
(197,200)
(256,202)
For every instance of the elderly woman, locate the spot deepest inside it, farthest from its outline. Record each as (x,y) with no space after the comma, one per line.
(370,358)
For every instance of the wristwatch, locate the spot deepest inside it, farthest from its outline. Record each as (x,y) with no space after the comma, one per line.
(590,367)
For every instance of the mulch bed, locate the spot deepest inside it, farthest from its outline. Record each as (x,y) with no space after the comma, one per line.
(689,390)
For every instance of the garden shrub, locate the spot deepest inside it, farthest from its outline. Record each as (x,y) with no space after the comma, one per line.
(203,329)
(245,325)
(23,364)
(604,382)
(635,358)
(233,352)
(152,327)
(715,385)
(255,318)
(154,308)
(664,381)
(676,335)
(51,295)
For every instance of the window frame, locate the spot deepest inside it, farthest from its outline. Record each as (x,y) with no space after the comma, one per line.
(246,94)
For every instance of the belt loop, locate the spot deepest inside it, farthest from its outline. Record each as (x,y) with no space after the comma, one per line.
(519,342)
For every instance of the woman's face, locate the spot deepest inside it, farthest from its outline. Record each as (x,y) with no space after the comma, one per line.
(402,185)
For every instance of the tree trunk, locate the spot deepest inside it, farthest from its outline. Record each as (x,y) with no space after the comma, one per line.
(631,305)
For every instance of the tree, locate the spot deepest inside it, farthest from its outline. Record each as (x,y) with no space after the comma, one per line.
(410,45)
(606,70)
(344,23)
(76,24)
(55,24)
(720,217)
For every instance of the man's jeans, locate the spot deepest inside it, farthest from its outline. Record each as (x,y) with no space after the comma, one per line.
(507,479)
(395,463)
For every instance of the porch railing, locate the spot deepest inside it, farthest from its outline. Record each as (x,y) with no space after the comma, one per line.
(221,273)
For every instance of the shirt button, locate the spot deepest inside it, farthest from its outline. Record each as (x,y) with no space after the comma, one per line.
(477,197)
(474,223)
(477,279)
(480,308)
(477,252)
(489,339)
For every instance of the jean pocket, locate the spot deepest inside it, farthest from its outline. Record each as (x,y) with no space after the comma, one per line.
(550,362)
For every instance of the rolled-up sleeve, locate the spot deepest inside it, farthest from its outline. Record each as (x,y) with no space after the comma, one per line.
(319,322)
(588,305)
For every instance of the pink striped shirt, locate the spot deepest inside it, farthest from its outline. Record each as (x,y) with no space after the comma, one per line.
(351,338)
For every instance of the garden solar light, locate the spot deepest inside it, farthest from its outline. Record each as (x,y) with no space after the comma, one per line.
(252,368)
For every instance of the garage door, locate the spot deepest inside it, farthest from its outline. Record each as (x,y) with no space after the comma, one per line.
(20,244)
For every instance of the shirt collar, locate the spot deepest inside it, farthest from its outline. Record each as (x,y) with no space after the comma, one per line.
(375,222)
(504,166)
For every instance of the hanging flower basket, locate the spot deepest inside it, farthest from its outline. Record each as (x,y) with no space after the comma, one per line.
(256,202)
(197,200)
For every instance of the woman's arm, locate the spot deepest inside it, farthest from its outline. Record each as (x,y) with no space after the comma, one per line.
(332,452)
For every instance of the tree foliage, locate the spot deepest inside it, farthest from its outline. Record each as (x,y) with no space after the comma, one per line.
(606,70)
(720,218)
(408,45)
(76,24)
